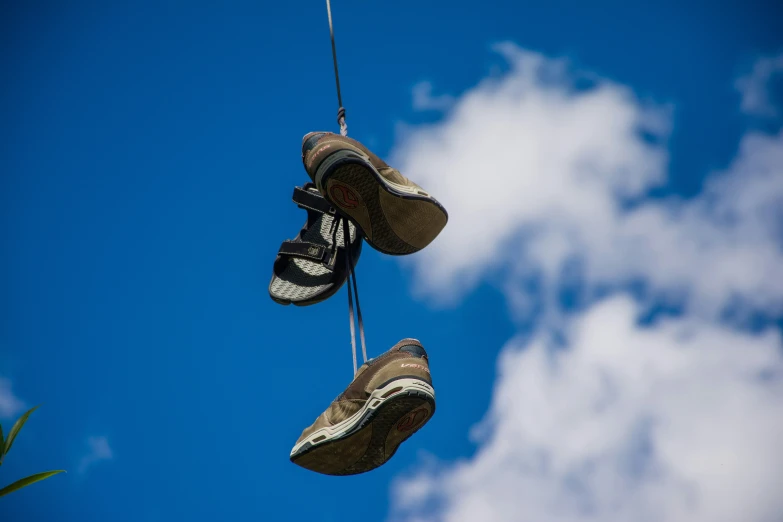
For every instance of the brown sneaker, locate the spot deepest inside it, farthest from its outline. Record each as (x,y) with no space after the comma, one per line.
(391,397)
(396,216)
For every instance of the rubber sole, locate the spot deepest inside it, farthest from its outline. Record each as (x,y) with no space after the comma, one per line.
(370,437)
(395,219)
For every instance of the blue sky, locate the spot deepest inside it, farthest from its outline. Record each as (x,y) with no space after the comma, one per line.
(149,151)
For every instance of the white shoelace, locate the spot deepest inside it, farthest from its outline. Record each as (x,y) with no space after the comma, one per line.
(352,282)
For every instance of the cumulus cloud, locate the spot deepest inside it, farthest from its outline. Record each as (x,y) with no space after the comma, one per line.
(548,180)
(538,176)
(99,450)
(676,422)
(755,87)
(423,99)
(10,404)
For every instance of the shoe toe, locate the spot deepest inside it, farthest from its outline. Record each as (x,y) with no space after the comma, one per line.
(310,139)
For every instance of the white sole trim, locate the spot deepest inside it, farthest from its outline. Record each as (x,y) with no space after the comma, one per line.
(375,401)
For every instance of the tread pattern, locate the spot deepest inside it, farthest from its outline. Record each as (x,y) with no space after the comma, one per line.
(380,235)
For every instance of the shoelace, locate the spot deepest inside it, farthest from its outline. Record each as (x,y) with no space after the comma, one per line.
(346,227)
(352,282)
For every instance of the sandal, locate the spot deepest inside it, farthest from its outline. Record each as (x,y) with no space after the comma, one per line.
(312,267)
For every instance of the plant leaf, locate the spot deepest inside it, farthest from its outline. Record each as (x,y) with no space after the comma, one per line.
(19,484)
(2,440)
(15,429)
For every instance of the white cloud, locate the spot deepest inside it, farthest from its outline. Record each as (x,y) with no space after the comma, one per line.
(99,451)
(676,421)
(423,100)
(522,149)
(536,174)
(755,86)
(10,404)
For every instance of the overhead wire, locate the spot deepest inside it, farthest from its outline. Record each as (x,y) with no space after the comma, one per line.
(346,227)
(341,110)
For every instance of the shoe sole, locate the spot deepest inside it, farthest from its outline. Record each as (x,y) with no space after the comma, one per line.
(395,219)
(370,437)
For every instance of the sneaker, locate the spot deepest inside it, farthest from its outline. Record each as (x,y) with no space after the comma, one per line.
(396,216)
(391,397)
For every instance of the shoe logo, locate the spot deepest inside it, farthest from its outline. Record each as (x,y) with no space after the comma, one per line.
(317,153)
(313,251)
(419,366)
(343,196)
(412,420)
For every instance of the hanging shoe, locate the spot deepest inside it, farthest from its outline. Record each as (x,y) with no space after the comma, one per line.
(312,267)
(395,215)
(391,397)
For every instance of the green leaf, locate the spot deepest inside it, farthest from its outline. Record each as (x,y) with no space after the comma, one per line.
(2,440)
(19,484)
(15,429)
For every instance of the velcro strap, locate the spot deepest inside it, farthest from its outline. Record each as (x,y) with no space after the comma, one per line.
(303,249)
(311,201)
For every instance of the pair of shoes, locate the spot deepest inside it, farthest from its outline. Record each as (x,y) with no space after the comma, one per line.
(349,184)
(354,197)
(396,216)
